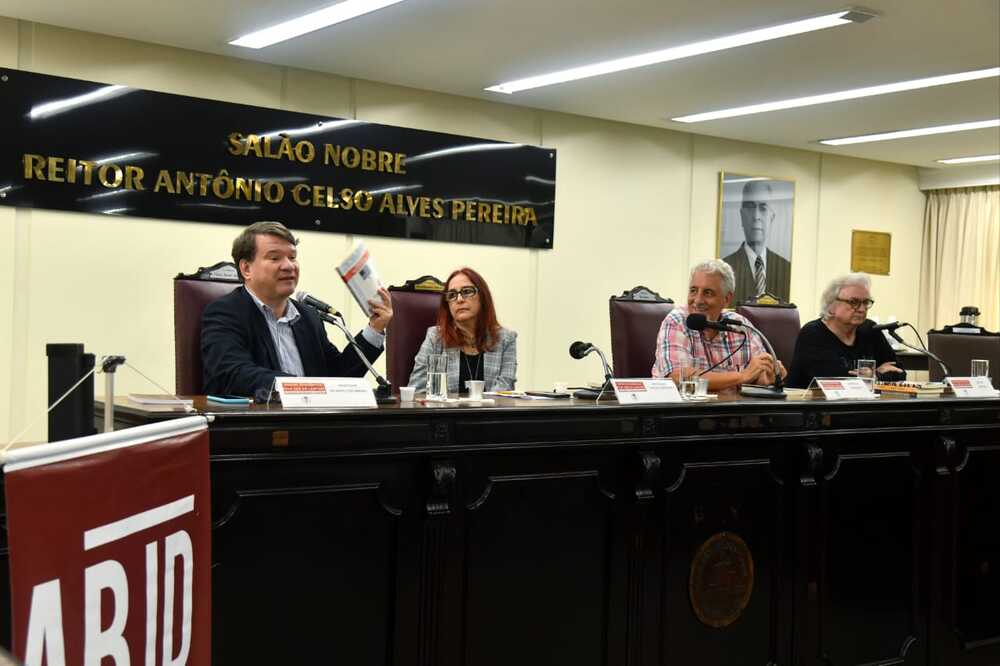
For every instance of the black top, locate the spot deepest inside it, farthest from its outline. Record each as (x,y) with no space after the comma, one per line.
(820,353)
(469,367)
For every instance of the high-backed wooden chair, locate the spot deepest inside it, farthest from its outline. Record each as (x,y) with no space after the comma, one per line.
(635,317)
(777,320)
(191,294)
(957,350)
(414,306)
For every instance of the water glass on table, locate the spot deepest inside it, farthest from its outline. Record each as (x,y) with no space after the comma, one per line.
(980,367)
(693,386)
(866,371)
(437,377)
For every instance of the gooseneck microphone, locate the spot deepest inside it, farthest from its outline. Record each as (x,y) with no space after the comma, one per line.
(383,393)
(580,349)
(891,326)
(699,322)
(316,304)
(927,352)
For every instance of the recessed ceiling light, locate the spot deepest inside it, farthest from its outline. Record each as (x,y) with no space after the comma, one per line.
(967,160)
(905,134)
(685,51)
(856,93)
(342,11)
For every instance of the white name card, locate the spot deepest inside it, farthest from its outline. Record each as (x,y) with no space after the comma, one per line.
(325,392)
(844,388)
(632,391)
(972,387)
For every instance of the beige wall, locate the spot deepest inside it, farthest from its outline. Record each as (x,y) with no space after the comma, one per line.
(635,205)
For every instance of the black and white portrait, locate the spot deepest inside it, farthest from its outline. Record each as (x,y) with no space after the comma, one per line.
(755,233)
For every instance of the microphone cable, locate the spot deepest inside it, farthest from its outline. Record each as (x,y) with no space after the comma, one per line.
(731,354)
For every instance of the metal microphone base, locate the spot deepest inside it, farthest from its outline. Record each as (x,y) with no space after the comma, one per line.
(759,391)
(383,394)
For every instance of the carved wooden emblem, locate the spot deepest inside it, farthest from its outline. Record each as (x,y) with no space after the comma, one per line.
(721,581)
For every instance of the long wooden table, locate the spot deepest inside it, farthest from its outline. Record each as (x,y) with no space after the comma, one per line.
(738,532)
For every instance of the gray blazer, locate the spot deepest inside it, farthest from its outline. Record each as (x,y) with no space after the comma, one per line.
(499,365)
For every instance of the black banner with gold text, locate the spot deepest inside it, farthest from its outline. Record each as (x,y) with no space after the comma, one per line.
(114,150)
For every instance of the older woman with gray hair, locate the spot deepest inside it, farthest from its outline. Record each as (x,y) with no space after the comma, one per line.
(832,345)
(733,360)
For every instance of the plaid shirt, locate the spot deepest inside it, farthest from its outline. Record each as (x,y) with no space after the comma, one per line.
(677,346)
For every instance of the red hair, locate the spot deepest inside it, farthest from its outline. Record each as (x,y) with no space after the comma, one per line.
(487,330)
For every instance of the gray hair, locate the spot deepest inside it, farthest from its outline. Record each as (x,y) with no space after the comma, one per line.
(720,268)
(832,290)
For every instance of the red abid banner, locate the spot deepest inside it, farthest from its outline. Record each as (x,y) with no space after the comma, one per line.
(110,548)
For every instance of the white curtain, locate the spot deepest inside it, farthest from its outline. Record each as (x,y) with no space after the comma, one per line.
(961,256)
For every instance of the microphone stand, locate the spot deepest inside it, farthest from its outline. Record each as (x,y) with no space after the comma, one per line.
(925,352)
(777,390)
(585,394)
(383,394)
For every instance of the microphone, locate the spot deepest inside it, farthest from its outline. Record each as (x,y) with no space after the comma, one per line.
(891,326)
(579,350)
(699,322)
(316,304)
(383,394)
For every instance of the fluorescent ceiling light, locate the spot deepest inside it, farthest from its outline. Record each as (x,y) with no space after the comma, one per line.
(905,134)
(685,51)
(968,160)
(856,93)
(342,11)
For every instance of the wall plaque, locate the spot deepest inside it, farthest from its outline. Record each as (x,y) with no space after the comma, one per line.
(870,252)
(114,150)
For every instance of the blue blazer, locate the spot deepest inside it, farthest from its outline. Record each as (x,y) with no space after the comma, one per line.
(239,356)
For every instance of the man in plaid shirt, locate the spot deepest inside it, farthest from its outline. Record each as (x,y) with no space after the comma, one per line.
(682,352)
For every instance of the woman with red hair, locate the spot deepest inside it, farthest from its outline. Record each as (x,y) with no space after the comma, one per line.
(468,332)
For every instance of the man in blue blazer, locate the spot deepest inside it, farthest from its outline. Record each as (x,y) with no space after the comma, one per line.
(258,332)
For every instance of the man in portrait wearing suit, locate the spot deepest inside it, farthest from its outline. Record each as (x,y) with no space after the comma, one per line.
(757,267)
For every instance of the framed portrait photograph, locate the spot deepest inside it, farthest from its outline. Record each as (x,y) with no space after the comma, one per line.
(755,233)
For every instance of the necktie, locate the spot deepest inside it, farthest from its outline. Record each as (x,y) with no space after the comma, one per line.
(760,279)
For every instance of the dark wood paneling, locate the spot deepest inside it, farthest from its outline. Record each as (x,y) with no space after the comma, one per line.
(566,534)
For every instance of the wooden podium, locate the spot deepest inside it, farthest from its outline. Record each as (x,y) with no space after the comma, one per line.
(718,534)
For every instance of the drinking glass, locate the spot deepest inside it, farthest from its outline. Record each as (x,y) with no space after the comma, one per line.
(980,367)
(437,377)
(866,371)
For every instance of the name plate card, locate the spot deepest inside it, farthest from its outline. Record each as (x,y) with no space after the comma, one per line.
(325,392)
(972,387)
(633,391)
(845,388)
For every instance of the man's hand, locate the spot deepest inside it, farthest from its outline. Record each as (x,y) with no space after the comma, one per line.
(888,367)
(759,371)
(381,311)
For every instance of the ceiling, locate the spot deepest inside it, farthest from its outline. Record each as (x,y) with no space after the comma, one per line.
(461,47)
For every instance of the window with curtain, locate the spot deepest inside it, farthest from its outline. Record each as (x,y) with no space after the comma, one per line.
(961,256)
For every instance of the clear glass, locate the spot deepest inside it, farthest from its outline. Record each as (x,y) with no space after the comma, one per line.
(693,384)
(866,371)
(437,377)
(980,367)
